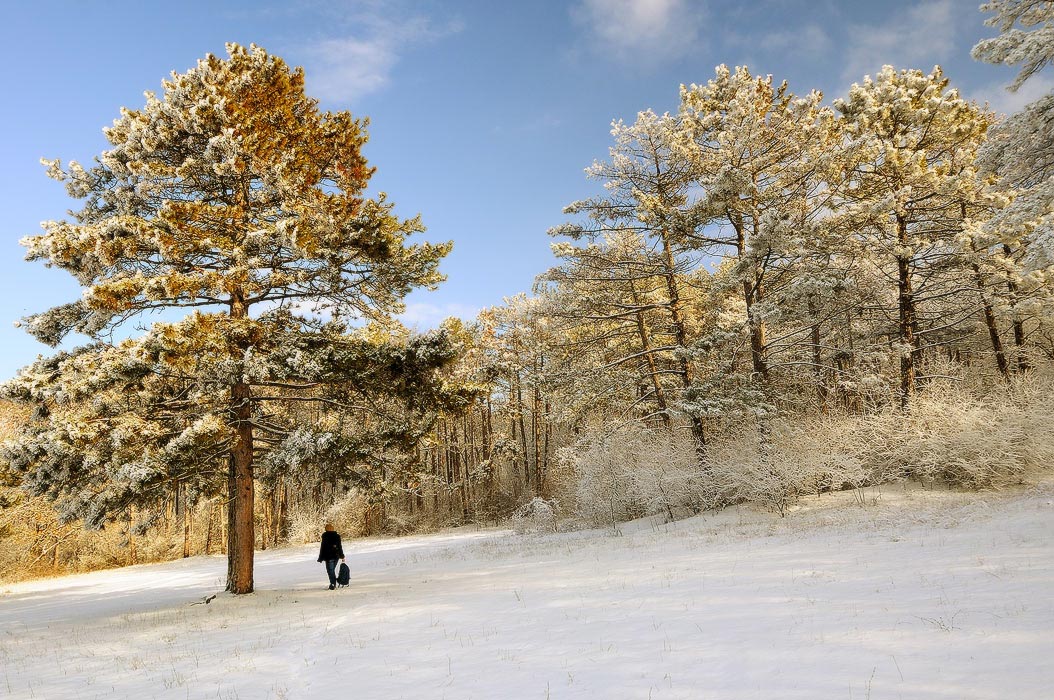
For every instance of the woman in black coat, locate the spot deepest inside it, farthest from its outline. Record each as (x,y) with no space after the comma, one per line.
(330,552)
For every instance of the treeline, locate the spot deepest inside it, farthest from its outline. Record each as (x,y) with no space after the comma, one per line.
(760,262)
(769,297)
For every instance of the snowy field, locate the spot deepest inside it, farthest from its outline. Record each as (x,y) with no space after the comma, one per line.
(911,594)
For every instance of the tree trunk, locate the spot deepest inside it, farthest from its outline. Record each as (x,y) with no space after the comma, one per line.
(680,334)
(847,364)
(282,521)
(241,537)
(240,479)
(486,418)
(1019,326)
(757,332)
(990,324)
(817,366)
(752,294)
(208,529)
(133,557)
(545,447)
(268,517)
(906,324)
(523,435)
(649,357)
(536,434)
(435,486)
(186,529)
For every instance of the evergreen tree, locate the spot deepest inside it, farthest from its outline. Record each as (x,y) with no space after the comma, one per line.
(648,187)
(756,153)
(910,178)
(234,196)
(1020,151)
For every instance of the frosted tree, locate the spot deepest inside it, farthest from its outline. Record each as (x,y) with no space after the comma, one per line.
(608,301)
(647,187)
(1020,151)
(911,176)
(1026,36)
(755,155)
(232,196)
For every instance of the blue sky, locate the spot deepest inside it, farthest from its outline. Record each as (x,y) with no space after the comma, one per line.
(483,112)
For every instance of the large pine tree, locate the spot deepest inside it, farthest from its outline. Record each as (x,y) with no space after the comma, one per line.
(232,200)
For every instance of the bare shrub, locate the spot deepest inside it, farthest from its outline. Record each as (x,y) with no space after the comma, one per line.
(957,438)
(776,462)
(537,515)
(632,472)
(950,435)
(306,521)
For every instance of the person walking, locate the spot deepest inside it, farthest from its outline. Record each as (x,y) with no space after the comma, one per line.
(330,552)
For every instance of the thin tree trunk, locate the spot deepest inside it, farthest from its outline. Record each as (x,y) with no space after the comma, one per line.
(471,458)
(231,531)
(1018,324)
(208,529)
(523,435)
(907,322)
(435,486)
(282,521)
(817,366)
(677,319)
(268,517)
(545,449)
(990,324)
(649,357)
(459,469)
(536,404)
(680,334)
(132,556)
(225,516)
(850,361)
(486,419)
(186,528)
(752,293)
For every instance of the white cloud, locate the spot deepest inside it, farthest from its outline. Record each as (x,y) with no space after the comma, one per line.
(925,33)
(644,31)
(424,315)
(810,39)
(1002,101)
(342,68)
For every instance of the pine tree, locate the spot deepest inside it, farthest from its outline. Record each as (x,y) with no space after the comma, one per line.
(648,184)
(232,196)
(910,176)
(1020,151)
(756,154)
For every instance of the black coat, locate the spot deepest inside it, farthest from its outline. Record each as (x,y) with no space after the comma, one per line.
(330,548)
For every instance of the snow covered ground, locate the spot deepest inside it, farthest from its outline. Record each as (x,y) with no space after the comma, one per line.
(910,594)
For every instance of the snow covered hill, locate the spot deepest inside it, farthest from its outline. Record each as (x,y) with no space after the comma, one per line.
(903,593)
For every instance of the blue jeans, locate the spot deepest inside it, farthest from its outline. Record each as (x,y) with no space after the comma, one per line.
(331,569)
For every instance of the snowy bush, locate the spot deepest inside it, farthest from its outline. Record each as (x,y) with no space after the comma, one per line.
(952,434)
(638,471)
(632,472)
(306,521)
(775,462)
(954,437)
(538,515)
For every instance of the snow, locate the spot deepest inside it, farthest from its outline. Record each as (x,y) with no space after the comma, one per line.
(893,593)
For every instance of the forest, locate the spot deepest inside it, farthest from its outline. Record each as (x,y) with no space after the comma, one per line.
(774,294)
